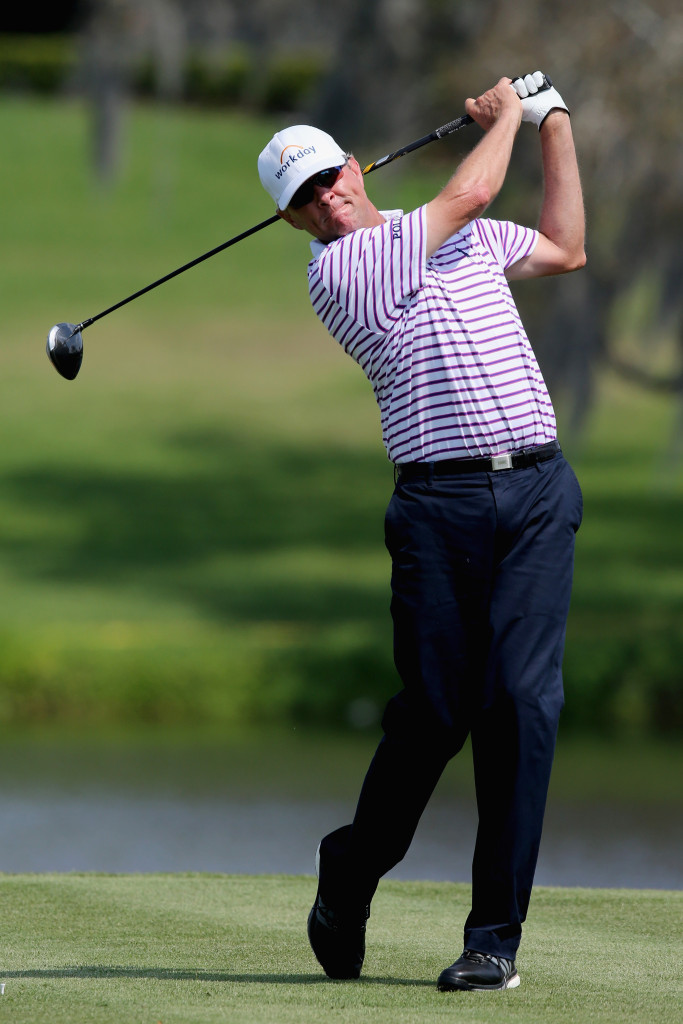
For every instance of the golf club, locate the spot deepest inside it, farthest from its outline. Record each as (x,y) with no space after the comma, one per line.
(64,340)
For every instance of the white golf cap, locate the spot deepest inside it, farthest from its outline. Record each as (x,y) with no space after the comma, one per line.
(294,155)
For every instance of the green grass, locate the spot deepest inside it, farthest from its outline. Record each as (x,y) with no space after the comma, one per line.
(191,532)
(90,949)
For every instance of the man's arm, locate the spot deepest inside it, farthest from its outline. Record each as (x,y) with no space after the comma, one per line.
(480,176)
(562,223)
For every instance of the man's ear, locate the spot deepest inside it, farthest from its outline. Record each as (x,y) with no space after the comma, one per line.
(286,215)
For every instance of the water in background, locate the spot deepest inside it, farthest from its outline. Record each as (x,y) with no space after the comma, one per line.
(260,805)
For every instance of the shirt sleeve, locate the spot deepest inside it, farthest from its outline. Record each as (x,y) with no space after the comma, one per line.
(507,242)
(371,272)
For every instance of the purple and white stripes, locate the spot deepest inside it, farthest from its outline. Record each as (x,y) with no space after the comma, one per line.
(440,339)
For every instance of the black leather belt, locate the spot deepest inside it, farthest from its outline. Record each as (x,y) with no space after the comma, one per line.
(490,464)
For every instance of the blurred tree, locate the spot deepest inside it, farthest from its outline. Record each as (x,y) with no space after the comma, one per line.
(110,33)
(620,66)
(376,83)
(383,82)
(396,66)
(118,34)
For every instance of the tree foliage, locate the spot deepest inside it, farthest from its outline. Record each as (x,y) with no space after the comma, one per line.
(391,68)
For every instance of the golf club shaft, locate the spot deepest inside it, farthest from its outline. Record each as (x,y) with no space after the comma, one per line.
(438,133)
(180,270)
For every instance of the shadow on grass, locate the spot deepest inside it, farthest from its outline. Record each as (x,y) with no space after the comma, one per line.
(169,974)
(248,531)
(291,535)
(187,530)
(236,528)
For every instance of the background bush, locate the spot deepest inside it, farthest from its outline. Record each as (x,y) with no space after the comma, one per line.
(52,64)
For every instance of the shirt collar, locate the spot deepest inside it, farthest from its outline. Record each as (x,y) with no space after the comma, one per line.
(317,246)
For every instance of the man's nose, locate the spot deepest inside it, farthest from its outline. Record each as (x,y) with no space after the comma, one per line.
(323,194)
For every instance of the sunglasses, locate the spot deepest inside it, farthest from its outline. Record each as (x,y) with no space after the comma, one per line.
(326,179)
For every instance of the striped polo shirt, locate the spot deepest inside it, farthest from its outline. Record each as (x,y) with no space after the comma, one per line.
(440,339)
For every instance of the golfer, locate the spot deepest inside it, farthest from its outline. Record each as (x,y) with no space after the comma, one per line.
(482,520)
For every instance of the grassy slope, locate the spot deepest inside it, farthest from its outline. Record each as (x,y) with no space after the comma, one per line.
(183,512)
(90,949)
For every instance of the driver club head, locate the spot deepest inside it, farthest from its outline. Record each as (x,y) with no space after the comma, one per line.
(65,349)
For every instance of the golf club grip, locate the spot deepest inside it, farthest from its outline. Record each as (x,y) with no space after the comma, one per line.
(438,133)
(453,126)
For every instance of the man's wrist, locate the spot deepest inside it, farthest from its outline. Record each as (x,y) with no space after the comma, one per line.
(554,118)
(510,119)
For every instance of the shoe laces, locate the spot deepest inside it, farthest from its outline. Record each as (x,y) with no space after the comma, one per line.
(480,958)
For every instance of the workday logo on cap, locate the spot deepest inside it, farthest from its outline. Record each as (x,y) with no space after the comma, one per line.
(292,156)
(286,160)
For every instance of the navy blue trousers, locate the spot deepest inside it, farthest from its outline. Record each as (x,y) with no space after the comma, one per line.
(481,580)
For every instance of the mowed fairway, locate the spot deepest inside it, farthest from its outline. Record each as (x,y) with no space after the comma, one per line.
(90,949)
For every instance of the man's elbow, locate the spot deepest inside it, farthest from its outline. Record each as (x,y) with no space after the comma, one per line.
(478,198)
(581,260)
(574,261)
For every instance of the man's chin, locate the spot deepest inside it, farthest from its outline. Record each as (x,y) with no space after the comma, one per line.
(338,230)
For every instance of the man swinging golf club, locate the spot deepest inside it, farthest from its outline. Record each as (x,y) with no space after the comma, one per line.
(482,520)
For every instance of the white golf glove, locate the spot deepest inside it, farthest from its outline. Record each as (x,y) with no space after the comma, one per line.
(538,96)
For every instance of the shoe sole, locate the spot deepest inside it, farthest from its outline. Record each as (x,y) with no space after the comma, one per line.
(513,981)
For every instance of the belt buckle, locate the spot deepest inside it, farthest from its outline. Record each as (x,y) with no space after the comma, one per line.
(501,462)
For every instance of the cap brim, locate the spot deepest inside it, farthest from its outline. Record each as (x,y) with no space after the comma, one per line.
(312,168)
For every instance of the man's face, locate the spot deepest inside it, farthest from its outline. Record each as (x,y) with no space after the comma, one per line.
(337,210)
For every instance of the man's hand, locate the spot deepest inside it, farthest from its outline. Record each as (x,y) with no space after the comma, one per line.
(492,105)
(537,98)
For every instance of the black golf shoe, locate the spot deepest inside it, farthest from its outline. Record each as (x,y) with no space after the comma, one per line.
(478,972)
(337,938)
(336,928)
